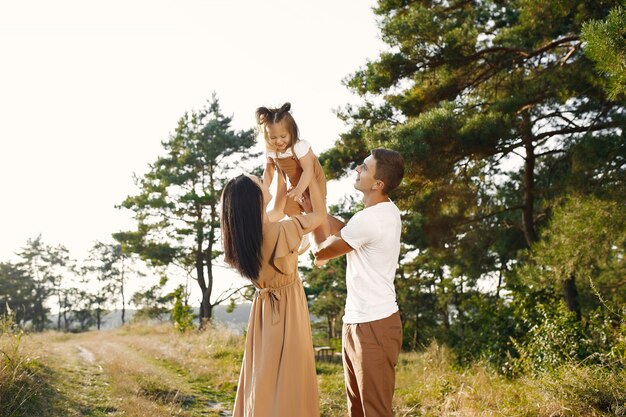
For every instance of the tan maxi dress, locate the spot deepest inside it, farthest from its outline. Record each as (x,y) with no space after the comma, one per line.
(278,371)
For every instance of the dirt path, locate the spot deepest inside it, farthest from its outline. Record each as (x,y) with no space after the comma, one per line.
(104,374)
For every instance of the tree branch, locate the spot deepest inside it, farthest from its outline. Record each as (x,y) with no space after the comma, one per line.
(525,54)
(553,151)
(226,294)
(579,129)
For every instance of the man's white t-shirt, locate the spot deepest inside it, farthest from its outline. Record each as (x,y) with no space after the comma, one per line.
(374,234)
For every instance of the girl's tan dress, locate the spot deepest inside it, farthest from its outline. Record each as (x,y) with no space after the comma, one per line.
(290,167)
(278,371)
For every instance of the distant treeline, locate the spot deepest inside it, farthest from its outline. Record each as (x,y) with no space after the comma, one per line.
(83,292)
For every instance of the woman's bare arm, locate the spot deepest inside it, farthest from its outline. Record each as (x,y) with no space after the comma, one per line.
(278,210)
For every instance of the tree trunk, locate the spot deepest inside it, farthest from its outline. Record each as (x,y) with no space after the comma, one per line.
(66,320)
(209,252)
(60,304)
(460,297)
(202,284)
(122,294)
(206,307)
(205,304)
(42,316)
(329,332)
(416,334)
(206,298)
(444,310)
(528,221)
(570,293)
(499,284)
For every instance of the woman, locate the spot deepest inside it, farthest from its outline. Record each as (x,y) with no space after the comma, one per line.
(278,371)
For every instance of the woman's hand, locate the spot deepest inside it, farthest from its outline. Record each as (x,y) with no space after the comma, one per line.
(306,204)
(296,194)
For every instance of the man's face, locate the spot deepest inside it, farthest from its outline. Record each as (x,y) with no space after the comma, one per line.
(365,173)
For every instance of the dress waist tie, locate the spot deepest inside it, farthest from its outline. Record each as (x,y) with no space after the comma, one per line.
(274,297)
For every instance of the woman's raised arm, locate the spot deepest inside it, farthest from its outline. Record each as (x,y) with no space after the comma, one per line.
(278,210)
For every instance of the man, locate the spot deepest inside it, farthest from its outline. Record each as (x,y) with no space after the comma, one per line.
(372,330)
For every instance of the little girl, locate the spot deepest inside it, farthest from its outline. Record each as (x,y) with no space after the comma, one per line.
(294,159)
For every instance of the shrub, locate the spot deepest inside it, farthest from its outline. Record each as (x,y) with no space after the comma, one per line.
(20,383)
(182,315)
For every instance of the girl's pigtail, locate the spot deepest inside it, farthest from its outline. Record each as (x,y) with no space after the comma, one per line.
(263,115)
(285,107)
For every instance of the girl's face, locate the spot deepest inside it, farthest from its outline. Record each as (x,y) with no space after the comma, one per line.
(279,135)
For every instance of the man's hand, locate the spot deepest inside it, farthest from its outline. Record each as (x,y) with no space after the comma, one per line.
(318,262)
(333,247)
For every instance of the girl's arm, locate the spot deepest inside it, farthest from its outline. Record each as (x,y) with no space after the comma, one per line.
(268,174)
(318,213)
(306,162)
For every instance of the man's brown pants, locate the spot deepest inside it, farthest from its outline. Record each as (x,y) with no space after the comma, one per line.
(370,353)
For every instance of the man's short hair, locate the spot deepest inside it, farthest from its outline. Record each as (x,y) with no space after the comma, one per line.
(389,168)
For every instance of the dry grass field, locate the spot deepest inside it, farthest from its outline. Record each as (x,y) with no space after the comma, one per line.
(147,370)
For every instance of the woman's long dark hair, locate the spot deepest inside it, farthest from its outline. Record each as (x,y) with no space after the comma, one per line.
(242,225)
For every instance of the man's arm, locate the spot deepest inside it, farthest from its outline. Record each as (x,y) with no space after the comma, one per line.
(333,247)
(335,225)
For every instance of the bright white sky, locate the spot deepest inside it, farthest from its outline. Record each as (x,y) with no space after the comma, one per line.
(88,89)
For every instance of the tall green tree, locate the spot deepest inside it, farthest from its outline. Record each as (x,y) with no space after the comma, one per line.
(17,292)
(34,266)
(82,313)
(50,269)
(102,272)
(110,266)
(62,273)
(176,207)
(492,104)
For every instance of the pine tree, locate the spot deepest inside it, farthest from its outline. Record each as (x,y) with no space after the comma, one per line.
(176,208)
(492,104)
